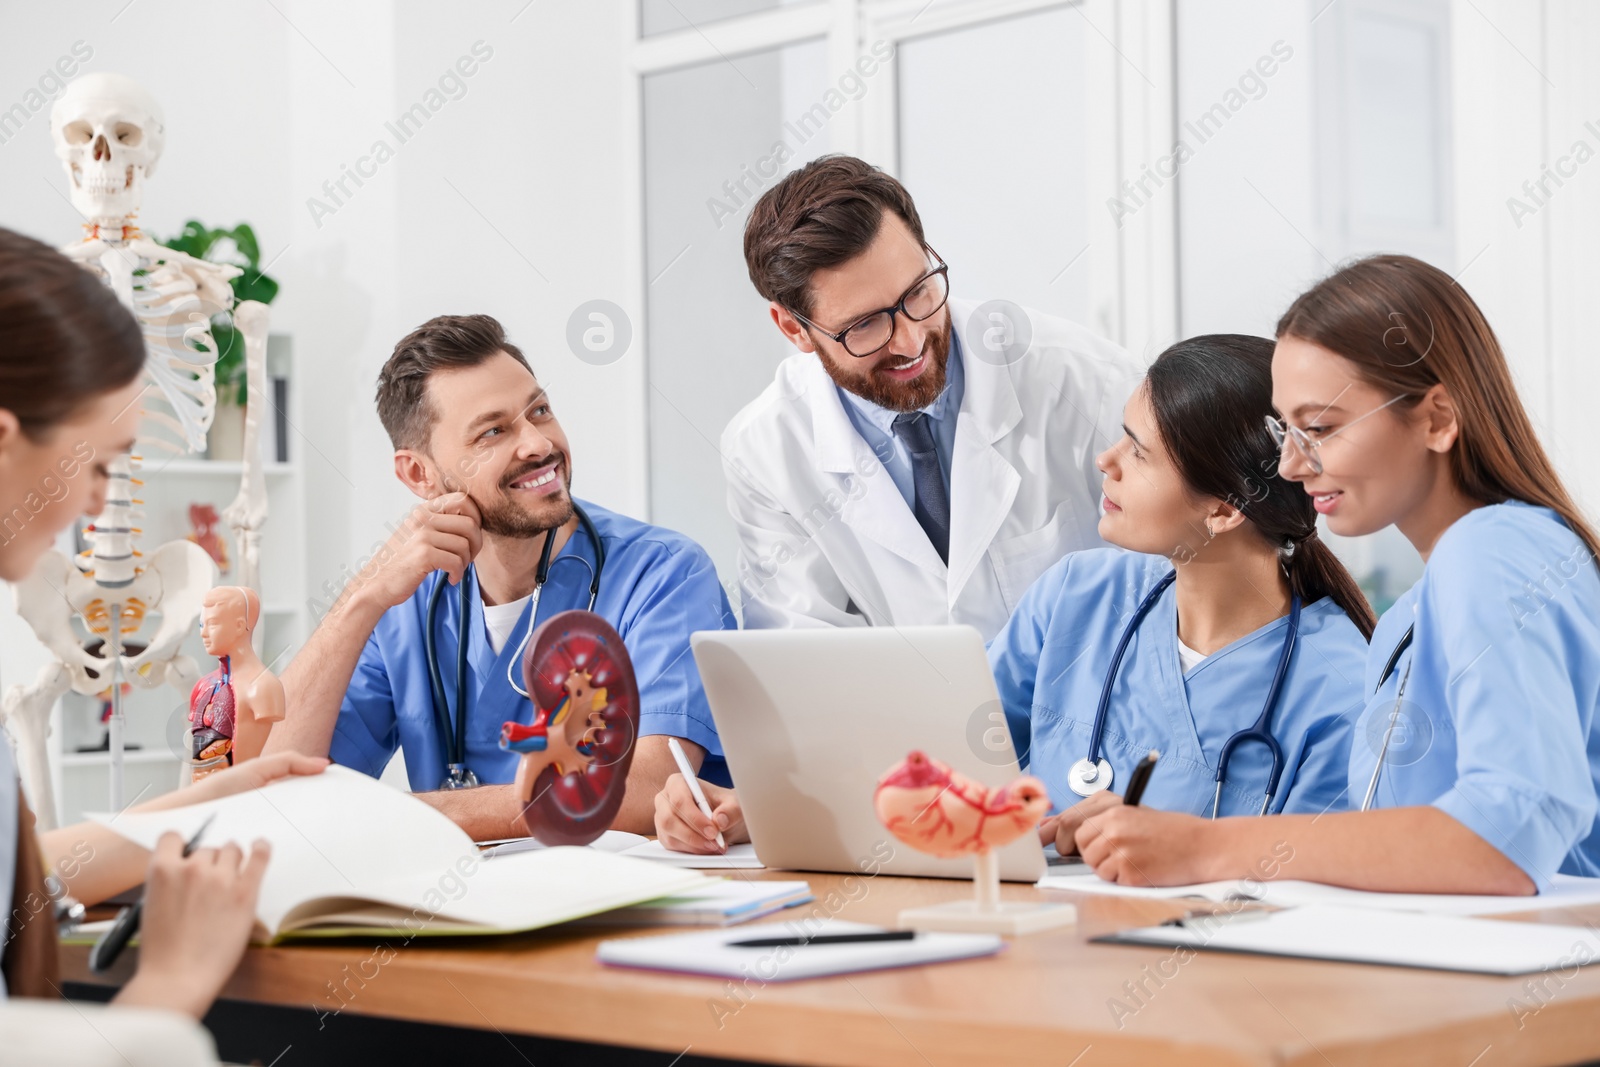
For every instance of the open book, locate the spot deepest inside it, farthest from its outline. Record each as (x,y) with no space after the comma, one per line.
(354,857)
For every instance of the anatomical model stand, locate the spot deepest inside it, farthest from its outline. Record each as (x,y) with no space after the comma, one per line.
(232,709)
(937,810)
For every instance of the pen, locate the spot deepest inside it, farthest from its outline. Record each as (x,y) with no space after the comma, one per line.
(825,939)
(113,941)
(1140,778)
(694,786)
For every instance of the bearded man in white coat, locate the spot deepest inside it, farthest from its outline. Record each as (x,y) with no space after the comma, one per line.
(920,459)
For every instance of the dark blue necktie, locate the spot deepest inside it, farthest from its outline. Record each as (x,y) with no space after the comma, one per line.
(932,506)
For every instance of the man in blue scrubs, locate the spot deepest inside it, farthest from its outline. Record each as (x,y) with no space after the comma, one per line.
(476,437)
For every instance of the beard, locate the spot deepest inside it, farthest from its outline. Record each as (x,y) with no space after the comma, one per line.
(505,516)
(878,388)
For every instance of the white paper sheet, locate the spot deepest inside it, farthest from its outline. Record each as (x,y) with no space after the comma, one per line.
(738,857)
(1567,891)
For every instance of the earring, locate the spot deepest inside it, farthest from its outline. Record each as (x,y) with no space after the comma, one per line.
(1209,531)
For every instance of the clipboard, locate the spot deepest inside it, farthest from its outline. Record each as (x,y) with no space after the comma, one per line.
(1386,938)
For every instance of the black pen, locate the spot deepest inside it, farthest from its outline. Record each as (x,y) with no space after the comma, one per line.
(825,939)
(113,941)
(1140,778)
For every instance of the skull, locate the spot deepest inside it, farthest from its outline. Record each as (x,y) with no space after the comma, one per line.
(109,133)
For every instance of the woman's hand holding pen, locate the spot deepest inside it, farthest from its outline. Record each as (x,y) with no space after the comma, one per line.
(199,911)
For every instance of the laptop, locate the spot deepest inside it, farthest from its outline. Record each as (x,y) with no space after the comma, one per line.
(810,720)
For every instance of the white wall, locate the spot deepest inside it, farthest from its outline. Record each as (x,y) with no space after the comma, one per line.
(265,103)
(514,199)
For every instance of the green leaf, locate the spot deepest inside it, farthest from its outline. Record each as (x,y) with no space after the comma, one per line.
(245,238)
(253,286)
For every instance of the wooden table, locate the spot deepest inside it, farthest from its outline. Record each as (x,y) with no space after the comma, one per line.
(1047,999)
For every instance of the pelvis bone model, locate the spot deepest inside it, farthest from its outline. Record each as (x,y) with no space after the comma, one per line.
(109,133)
(579,745)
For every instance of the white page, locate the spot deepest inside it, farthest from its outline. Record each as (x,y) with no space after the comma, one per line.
(344,836)
(610,841)
(1093,883)
(1566,891)
(1368,935)
(738,857)
(335,834)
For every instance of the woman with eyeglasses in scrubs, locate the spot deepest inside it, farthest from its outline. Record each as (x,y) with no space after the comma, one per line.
(1238,622)
(71,363)
(1476,758)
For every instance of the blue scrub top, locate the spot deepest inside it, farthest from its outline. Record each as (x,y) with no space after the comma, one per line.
(1050,663)
(658,588)
(1498,728)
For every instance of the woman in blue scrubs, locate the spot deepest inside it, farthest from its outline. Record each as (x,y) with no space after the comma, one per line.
(1483,680)
(1191,488)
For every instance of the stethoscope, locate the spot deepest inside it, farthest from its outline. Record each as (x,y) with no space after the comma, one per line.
(453,736)
(1394,715)
(1093,773)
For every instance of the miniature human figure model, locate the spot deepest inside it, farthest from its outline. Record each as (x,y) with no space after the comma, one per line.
(562,737)
(232,709)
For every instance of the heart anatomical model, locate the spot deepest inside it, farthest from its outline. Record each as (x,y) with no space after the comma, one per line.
(579,745)
(943,812)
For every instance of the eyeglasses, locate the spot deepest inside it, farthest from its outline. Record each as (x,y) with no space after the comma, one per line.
(1310,447)
(870,333)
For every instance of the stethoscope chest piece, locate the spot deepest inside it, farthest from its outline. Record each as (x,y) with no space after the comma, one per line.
(458,776)
(1088,778)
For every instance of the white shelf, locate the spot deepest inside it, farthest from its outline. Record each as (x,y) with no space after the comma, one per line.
(232,467)
(103,759)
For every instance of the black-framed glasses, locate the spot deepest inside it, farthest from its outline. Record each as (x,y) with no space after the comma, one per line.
(870,333)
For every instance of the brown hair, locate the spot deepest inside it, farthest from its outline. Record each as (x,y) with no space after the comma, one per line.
(443,343)
(64,337)
(1211,395)
(1407,326)
(824,214)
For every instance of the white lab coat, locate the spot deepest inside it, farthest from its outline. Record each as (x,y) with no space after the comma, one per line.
(826,539)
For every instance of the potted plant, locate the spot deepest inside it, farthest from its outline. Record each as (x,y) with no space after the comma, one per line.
(240,248)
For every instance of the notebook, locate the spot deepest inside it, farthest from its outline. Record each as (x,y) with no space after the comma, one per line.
(1395,938)
(354,857)
(712,952)
(1566,891)
(722,902)
(738,857)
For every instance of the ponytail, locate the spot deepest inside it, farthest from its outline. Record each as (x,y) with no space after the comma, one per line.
(1315,572)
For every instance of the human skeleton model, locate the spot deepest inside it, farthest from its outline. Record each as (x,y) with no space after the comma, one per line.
(109,133)
(232,709)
